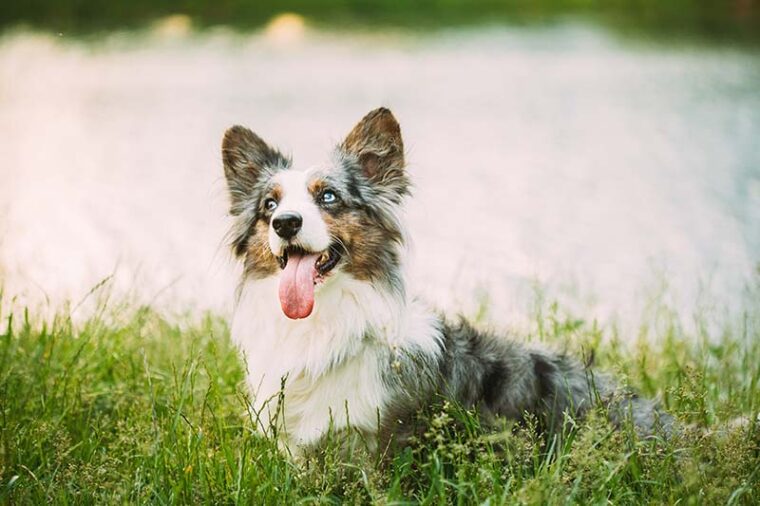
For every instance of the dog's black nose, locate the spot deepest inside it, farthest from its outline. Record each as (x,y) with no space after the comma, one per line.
(287,225)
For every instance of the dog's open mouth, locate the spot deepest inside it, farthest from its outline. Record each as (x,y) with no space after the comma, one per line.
(301,271)
(326,260)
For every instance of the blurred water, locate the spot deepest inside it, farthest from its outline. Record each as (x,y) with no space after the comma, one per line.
(559,156)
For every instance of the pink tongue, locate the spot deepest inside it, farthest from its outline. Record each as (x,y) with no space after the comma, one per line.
(297,286)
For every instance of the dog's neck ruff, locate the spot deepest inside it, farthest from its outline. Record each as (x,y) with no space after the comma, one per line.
(330,366)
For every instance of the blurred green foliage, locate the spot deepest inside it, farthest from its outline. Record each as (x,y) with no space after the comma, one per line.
(731,19)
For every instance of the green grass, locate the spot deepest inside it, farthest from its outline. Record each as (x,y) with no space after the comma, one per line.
(131,406)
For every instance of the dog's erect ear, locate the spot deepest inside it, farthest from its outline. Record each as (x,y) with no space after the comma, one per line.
(246,158)
(376,144)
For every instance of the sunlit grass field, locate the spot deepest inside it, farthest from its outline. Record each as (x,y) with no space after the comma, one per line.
(134,406)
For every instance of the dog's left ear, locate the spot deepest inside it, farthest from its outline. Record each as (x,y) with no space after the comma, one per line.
(375,143)
(246,158)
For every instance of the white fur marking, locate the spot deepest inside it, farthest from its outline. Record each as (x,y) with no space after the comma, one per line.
(332,371)
(313,235)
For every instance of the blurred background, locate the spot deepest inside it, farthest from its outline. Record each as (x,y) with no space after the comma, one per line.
(602,154)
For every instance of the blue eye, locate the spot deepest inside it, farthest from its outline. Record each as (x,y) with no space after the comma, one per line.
(328,197)
(270,204)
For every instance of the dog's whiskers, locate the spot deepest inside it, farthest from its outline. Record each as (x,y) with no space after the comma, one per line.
(345,251)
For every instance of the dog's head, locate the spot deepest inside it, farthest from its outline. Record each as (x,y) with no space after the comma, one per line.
(305,225)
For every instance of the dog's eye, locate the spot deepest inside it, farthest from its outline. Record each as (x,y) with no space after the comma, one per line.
(328,197)
(270,204)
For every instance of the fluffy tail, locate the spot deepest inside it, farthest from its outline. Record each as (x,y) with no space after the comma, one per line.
(509,379)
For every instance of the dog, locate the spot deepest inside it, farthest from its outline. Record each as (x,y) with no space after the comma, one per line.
(332,337)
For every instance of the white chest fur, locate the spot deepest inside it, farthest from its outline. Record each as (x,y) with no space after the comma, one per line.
(330,364)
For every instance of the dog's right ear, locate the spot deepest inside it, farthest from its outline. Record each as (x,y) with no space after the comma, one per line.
(376,147)
(246,159)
